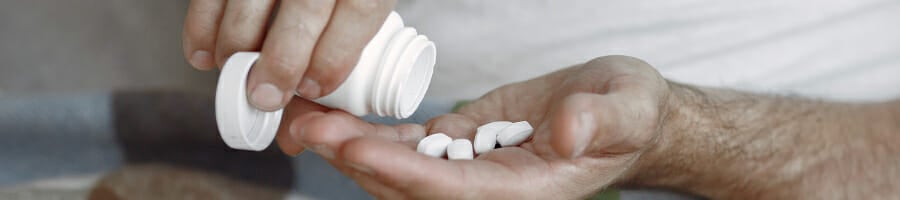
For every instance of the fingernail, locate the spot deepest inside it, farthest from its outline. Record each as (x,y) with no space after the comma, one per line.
(295,131)
(200,59)
(309,89)
(322,150)
(295,135)
(360,168)
(584,133)
(266,96)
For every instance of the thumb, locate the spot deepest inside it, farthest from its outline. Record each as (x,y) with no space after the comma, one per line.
(588,124)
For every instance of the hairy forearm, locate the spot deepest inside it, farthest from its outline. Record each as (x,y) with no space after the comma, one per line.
(726,144)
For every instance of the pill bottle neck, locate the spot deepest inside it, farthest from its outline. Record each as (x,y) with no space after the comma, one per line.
(403,74)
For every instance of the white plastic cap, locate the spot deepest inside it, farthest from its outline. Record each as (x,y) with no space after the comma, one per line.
(241,125)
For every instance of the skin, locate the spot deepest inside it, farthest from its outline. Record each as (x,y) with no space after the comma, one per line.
(615,121)
(726,144)
(612,120)
(307,47)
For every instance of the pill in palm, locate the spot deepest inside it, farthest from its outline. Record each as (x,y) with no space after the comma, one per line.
(494,126)
(460,149)
(435,145)
(486,136)
(514,134)
(485,141)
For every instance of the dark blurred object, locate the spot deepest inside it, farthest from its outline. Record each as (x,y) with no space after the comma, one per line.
(180,128)
(157,181)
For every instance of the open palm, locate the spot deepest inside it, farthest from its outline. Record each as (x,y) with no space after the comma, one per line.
(592,120)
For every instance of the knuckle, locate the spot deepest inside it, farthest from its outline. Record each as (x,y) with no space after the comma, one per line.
(617,60)
(281,67)
(628,62)
(629,68)
(232,40)
(239,18)
(319,7)
(303,22)
(304,30)
(334,64)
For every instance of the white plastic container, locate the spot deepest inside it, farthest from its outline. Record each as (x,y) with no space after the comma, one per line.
(390,79)
(392,75)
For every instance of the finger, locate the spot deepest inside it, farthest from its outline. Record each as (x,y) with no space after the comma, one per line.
(366,181)
(242,28)
(575,122)
(325,132)
(454,125)
(518,160)
(286,52)
(372,186)
(523,101)
(619,117)
(400,167)
(352,26)
(200,28)
(407,134)
(288,146)
(288,139)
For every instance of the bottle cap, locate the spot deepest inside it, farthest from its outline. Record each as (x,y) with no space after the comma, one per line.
(241,125)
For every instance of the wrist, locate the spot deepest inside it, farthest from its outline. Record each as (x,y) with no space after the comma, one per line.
(656,164)
(698,149)
(725,144)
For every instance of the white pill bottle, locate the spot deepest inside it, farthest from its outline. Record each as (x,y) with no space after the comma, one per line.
(390,79)
(392,75)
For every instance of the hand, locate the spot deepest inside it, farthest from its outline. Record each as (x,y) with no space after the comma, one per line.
(310,47)
(593,121)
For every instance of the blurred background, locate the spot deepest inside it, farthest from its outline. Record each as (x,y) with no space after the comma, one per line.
(97,100)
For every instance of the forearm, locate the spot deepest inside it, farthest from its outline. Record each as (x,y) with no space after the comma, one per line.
(725,144)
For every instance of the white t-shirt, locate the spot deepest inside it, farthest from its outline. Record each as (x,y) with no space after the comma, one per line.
(833,49)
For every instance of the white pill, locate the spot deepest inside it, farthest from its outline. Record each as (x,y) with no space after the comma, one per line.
(485,141)
(460,149)
(486,136)
(435,145)
(515,134)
